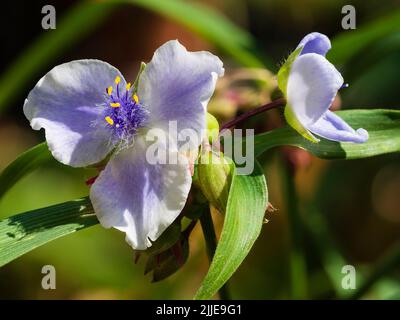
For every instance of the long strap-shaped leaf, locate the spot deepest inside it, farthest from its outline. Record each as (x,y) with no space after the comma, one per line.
(24,232)
(24,164)
(384,136)
(244,217)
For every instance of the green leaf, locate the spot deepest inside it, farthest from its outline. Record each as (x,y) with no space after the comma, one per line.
(24,164)
(243,221)
(24,232)
(76,24)
(349,44)
(382,125)
(211,25)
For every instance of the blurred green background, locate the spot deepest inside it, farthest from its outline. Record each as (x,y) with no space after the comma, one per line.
(345,212)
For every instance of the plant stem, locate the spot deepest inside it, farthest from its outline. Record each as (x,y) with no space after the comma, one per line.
(298,268)
(210,238)
(274,104)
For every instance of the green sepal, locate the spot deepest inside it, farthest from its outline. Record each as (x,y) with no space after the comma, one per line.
(296,125)
(166,240)
(196,210)
(284,71)
(169,261)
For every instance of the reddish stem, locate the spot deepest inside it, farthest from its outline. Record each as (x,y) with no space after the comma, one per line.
(274,104)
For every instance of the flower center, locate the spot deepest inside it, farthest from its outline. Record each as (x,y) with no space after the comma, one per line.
(123,112)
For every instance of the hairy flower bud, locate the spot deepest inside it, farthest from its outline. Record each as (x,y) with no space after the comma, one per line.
(214,178)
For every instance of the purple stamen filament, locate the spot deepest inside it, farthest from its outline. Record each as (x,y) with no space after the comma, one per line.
(123,113)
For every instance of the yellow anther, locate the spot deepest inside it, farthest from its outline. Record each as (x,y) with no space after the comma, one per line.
(117,79)
(136,98)
(115,104)
(109,90)
(109,120)
(128,86)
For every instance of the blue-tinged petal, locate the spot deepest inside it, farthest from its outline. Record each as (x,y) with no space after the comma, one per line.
(176,85)
(330,126)
(315,42)
(312,86)
(140,198)
(66,103)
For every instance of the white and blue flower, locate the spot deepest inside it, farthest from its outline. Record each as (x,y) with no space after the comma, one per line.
(310,84)
(89,112)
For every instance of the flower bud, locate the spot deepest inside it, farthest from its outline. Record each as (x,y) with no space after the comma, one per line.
(215,177)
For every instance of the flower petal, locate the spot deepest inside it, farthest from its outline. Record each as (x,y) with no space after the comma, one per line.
(312,85)
(140,198)
(65,102)
(176,85)
(315,42)
(330,126)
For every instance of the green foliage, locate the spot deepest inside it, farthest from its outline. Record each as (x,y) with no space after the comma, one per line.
(43,225)
(24,164)
(382,125)
(24,232)
(244,218)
